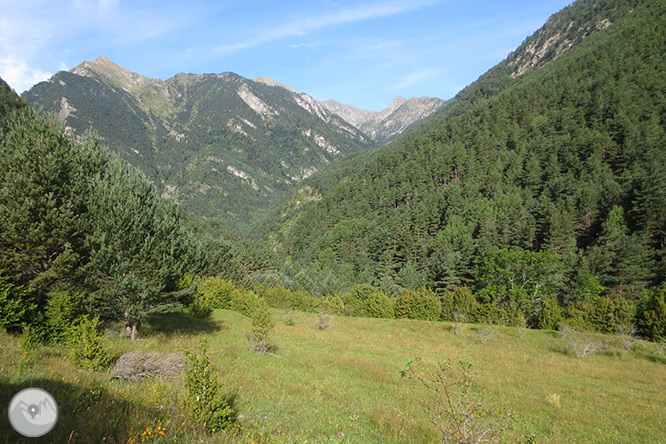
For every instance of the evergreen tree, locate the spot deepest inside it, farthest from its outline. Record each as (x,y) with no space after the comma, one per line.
(44,201)
(653,319)
(139,248)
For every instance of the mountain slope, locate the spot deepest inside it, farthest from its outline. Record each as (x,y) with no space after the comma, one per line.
(9,101)
(549,156)
(384,126)
(220,144)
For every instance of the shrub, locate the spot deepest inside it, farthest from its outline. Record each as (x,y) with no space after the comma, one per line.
(280,297)
(205,404)
(460,301)
(62,312)
(511,314)
(627,334)
(486,333)
(244,301)
(355,300)
(379,305)
(581,344)
(609,313)
(579,315)
(29,341)
(16,305)
(262,324)
(456,409)
(331,304)
(422,303)
(403,305)
(216,291)
(487,313)
(86,344)
(550,315)
(288,317)
(654,317)
(200,306)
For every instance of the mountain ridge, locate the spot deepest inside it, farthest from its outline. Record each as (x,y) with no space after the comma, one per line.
(219,144)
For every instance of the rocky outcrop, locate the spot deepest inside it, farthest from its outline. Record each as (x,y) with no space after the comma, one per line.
(383,126)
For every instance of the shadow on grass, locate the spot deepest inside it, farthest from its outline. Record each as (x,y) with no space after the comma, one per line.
(178,323)
(86,413)
(659,359)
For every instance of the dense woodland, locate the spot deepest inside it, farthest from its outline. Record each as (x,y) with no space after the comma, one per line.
(532,199)
(558,173)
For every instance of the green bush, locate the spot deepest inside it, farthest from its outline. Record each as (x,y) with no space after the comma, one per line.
(262,324)
(512,314)
(17,303)
(365,300)
(244,301)
(379,305)
(460,303)
(579,316)
(653,320)
(488,313)
(427,304)
(355,300)
(403,305)
(206,406)
(550,315)
(330,304)
(611,312)
(281,297)
(422,303)
(86,344)
(62,312)
(215,292)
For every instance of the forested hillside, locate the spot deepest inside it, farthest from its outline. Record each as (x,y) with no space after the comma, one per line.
(82,232)
(543,179)
(220,145)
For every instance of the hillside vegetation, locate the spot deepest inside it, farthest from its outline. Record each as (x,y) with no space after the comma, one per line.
(560,168)
(218,144)
(497,271)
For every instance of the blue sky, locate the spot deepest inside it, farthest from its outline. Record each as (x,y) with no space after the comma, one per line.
(363,53)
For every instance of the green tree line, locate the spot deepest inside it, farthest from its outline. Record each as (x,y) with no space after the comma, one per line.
(82,232)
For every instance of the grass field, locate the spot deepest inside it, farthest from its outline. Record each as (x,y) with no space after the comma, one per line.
(344,385)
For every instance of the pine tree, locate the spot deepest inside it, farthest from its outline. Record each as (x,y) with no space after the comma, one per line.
(140,249)
(44,201)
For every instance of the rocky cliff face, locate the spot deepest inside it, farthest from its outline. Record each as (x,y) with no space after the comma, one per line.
(383,126)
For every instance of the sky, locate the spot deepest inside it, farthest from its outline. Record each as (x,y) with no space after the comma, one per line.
(363,53)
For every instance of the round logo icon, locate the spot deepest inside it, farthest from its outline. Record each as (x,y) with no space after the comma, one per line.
(33,412)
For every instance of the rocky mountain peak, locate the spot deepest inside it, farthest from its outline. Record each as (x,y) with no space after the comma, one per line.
(110,72)
(271,82)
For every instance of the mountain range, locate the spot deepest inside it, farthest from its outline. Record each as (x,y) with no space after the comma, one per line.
(219,144)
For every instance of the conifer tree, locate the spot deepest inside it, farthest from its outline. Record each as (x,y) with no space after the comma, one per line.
(140,249)
(44,201)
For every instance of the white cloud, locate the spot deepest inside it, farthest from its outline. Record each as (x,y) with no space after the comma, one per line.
(416,78)
(306,25)
(19,75)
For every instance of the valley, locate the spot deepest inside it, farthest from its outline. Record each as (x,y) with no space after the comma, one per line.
(490,266)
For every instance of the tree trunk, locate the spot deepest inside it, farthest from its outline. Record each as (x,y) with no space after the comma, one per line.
(133,332)
(128,328)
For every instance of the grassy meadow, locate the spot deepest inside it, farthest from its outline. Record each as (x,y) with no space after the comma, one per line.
(343,385)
